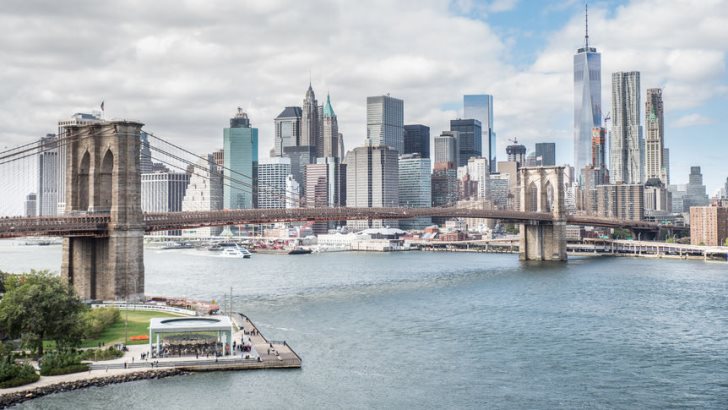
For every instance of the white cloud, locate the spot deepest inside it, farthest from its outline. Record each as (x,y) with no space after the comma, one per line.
(691,120)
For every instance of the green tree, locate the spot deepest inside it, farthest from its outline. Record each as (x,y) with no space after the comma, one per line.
(39,306)
(725,243)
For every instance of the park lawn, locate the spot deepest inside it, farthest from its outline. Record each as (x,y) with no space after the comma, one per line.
(138,325)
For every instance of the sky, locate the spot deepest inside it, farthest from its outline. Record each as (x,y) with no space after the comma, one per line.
(183,67)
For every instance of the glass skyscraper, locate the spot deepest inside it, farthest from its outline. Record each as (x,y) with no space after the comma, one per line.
(480,107)
(587,100)
(470,139)
(240,145)
(385,122)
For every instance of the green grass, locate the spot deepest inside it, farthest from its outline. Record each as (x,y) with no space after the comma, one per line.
(138,325)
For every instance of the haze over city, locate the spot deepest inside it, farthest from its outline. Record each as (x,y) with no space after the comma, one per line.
(182,68)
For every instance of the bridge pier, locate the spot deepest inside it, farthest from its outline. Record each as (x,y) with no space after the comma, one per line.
(102,177)
(542,190)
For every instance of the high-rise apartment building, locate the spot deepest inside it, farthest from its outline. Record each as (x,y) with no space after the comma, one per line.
(331,134)
(287,129)
(310,127)
(480,107)
(204,193)
(479,172)
(655,138)
(415,188)
(272,176)
(48,180)
(385,122)
(447,149)
(470,139)
(444,186)
(372,180)
(708,225)
(240,146)
(545,154)
(621,201)
(626,143)
(76,119)
(31,205)
(587,99)
(417,140)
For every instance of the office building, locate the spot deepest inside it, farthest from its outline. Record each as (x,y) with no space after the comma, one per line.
(695,191)
(326,183)
(545,154)
(76,119)
(293,193)
(310,127)
(204,193)
(655,138)
(516,153)
(444,185)
(658,199)
(48,180)
(240,146)
(447,149)
(708,225)
(417,140)
(470,139)
(626,143)
(385,122)
(480,107)
(621,201)
(272,176)
(415,188)
(331,136)
(372,180)
(300,156)
(31,205)
(164,192)
(287,129)
(478,170)
(587,99)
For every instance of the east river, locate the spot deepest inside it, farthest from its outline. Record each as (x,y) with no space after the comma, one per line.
(444,330)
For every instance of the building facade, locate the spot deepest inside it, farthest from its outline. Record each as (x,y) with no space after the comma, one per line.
(655,138)
(546,154)
(480,107)
(310,127)
(621,201)
(587,100)
(272,176)
(417,140)
(31,205)
(48,169)
(470,139)
(372,180)
(415,188)
(240,146)
(331,134)
(287,129)
(385,122)
(626,143)
(447,149)
(708,225)
(204,193)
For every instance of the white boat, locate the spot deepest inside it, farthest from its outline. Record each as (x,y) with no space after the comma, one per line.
(234,252)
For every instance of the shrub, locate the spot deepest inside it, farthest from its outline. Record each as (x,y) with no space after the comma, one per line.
(97,320)
(101,354)
(76,368)
(13,374)
(62,362)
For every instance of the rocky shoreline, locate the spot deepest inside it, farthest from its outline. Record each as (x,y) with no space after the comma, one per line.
(11,399)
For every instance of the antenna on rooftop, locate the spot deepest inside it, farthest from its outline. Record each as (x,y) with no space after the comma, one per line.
(586,24)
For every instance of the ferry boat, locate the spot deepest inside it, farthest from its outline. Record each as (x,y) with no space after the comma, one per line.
(233,250)
(299,251)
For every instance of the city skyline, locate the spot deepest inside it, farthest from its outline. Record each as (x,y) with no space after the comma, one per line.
(520,47)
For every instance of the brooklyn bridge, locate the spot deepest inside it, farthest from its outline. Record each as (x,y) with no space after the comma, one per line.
(104,225)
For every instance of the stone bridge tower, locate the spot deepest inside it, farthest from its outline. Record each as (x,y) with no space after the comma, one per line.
(542,190)
(102,176)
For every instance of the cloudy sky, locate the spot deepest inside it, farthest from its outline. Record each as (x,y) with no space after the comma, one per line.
(183,67)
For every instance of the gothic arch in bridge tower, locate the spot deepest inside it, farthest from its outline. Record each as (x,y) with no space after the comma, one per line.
(542,190)
(103,184)
(82,183)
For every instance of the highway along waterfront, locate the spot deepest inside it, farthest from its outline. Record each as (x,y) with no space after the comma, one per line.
(443,330)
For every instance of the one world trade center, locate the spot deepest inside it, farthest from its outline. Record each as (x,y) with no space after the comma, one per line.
(587,100)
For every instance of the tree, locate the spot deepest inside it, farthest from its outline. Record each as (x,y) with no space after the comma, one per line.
(725,243)
(38,306)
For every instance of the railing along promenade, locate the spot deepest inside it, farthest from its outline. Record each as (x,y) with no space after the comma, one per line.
(97,224)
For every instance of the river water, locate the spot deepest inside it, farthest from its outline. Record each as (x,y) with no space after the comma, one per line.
(444,330)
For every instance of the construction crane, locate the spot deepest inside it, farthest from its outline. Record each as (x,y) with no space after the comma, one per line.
(513,140)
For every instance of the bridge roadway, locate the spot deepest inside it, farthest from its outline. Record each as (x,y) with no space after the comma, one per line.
(96,225)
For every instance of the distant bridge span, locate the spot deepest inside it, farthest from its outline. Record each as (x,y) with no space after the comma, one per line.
(97,225)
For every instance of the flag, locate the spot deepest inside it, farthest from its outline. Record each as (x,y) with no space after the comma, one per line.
(102,105)
(539,158)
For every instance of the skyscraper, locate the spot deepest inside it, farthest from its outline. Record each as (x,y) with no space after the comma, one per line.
(655,139)
(625,144)
(446,148)
(330,131)
(326,183)
(287,129)
(204,193)
(470,139)
(587,98)
(385,122)
(48,180)
(164,191)
(272,176)
(480,107)
(31,204)
(309,119)
(517,153)
(415,188)
(372,180)
(240,146)
(547,152)
(417,140)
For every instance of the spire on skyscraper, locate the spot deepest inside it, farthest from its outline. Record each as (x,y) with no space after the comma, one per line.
(328,109)
(586,25)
